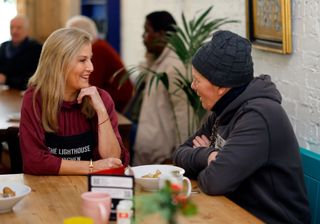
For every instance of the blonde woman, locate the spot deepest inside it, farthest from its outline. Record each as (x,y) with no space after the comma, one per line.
(68,126)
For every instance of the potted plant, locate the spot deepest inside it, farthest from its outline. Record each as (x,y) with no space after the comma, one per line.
(184,42)
(168,202)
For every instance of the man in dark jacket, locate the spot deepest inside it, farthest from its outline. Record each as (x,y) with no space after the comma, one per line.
(19,56)
(247,149)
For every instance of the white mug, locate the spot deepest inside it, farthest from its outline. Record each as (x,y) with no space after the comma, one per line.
(176,178)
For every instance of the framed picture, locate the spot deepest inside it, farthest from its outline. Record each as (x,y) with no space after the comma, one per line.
(269,25)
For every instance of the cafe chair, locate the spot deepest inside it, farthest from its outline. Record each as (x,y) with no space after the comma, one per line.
(12,139)
(311,164)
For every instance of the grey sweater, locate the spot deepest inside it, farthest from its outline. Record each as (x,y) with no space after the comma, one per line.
(258,165)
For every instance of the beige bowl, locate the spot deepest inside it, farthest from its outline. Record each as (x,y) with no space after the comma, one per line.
(21,190)
(152,184)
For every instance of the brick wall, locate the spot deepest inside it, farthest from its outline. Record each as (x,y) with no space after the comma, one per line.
(297,75)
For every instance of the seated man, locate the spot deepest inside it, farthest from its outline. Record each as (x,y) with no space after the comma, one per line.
(19,56)
(247,149)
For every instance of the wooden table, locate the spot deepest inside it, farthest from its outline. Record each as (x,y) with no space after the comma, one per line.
(54,198)
(10,103)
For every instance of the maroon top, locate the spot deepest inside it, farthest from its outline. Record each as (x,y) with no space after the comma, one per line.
(106,62)
(37,159)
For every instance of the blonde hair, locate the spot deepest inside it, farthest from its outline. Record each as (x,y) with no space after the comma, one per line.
(61,47)
(83,23)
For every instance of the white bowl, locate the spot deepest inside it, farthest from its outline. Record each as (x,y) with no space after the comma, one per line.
(6,204)
(152,184)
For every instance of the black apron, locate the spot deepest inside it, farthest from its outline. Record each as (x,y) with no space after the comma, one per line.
(74,147)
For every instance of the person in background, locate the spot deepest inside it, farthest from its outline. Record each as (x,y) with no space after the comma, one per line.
(247,149)
(66,123)
(157,133)
(106,63)
(19,56)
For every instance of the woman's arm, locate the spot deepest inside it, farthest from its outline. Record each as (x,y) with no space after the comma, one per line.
(108,144)
(109,104)
(107,141)
(83,167)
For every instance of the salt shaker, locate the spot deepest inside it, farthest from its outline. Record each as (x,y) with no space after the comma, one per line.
(124,212)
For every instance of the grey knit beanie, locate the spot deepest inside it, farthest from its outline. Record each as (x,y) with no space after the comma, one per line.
(226,60)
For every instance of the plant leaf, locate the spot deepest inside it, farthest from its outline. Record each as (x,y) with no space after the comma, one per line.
(185,25)
(163,77)
(203,16)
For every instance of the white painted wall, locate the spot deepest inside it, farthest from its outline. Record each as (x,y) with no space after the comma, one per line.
(7,12)
(297,75)
(134,12)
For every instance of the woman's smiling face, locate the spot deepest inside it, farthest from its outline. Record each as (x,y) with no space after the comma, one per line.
(78,76)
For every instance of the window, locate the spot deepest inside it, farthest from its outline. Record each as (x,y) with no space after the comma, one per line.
(8,10)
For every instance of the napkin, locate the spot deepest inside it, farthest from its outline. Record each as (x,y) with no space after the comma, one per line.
(115,171)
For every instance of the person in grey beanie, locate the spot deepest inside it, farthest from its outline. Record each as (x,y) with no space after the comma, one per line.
(247,149)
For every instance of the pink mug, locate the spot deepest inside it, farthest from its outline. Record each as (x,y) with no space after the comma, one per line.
(96,205)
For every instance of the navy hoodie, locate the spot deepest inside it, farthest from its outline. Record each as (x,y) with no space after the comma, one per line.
(258,165)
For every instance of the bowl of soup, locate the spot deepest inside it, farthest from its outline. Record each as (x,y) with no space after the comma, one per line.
(11,194)
(148,176)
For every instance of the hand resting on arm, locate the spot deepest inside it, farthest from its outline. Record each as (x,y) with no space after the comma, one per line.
(203,141)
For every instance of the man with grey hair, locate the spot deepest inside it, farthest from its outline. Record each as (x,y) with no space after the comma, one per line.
(19,56)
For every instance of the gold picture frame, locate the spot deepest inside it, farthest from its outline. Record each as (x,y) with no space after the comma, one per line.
(269,25)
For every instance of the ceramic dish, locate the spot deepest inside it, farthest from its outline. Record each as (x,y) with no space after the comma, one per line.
(152,183)
(7,203)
